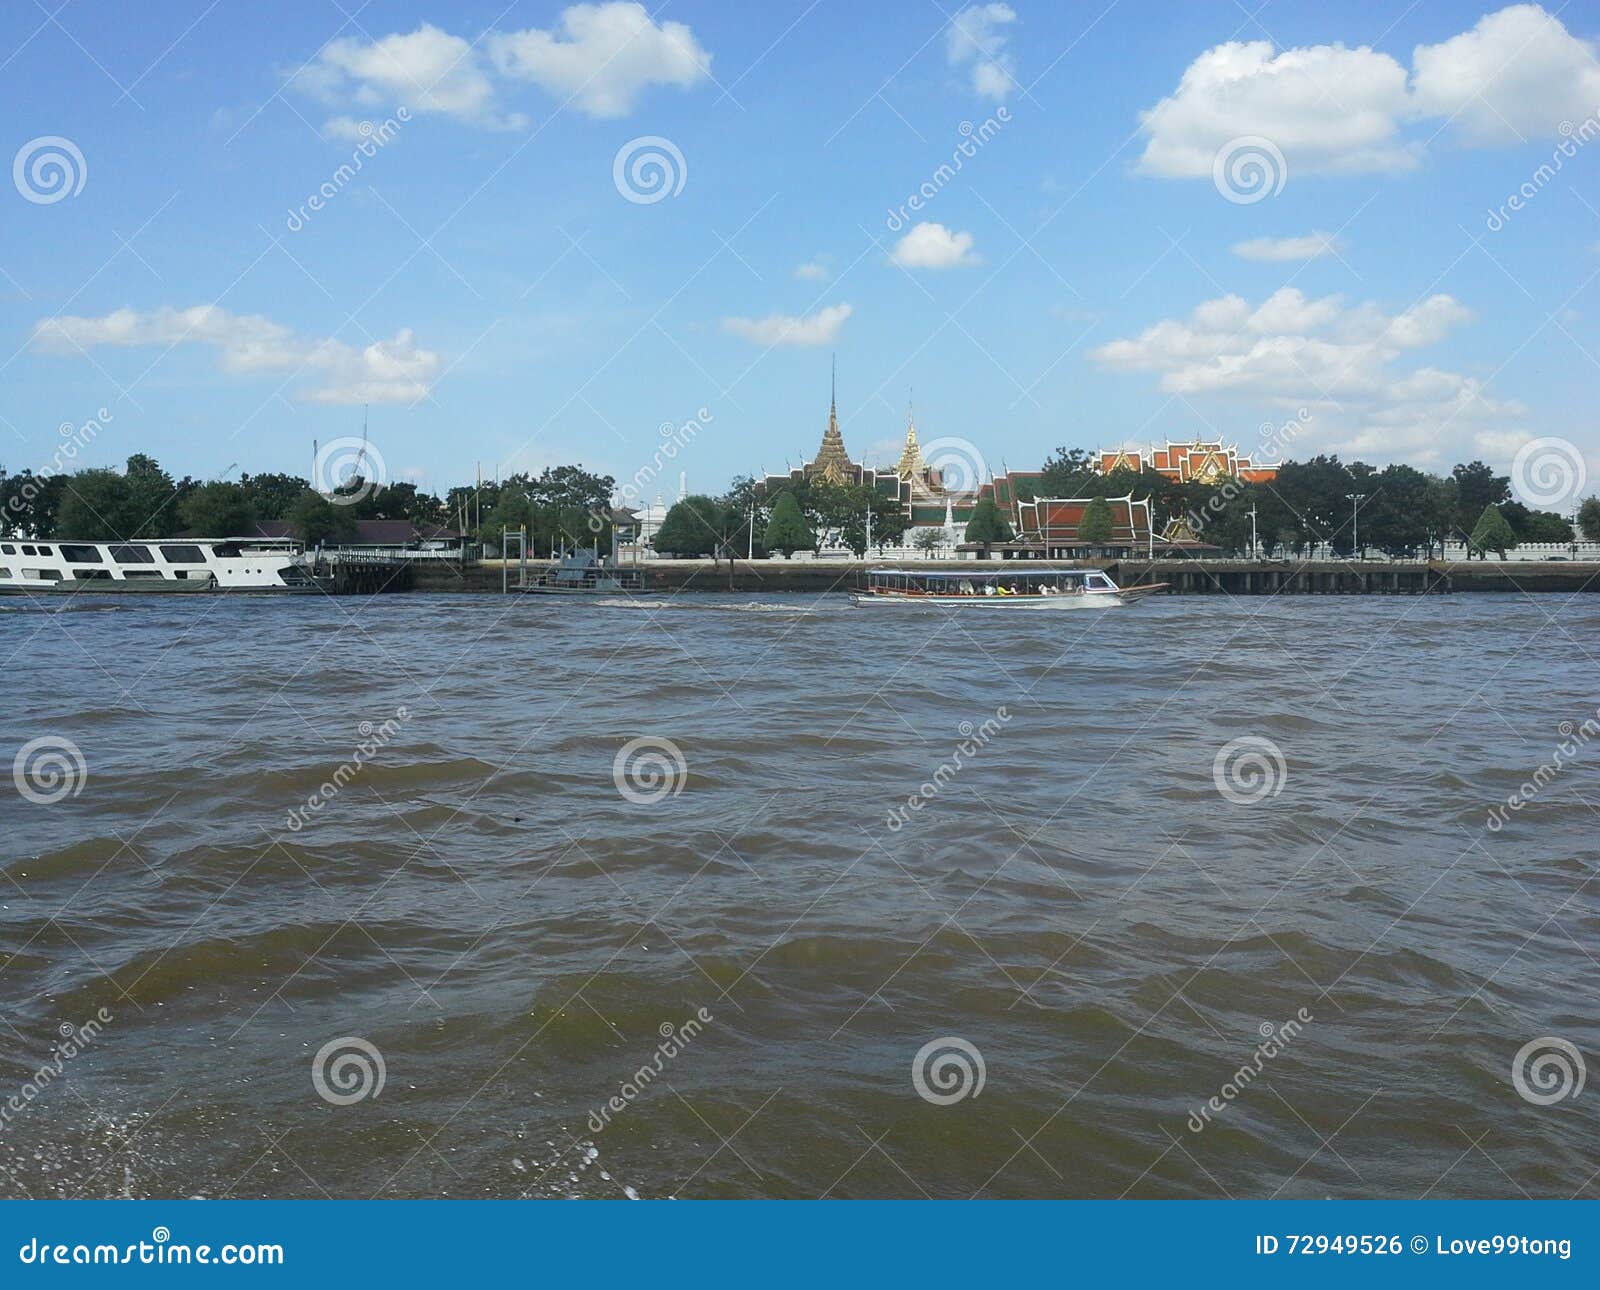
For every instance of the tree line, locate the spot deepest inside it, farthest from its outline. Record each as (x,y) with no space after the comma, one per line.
(562,506)
(1398,510)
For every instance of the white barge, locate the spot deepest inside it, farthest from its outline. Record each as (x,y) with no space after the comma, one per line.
(1024,589)
(193,565)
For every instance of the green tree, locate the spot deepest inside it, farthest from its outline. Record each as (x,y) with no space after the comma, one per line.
(97,506)
(1536,526)
(787,530)
(928,539)
(272,495)
(29,503)
(315,520)
(1095,526)
(987,523)
(152,498)
(1492,533)
(1067,473)
(1477,486)
(696,526)
(1589,519)
(218,509)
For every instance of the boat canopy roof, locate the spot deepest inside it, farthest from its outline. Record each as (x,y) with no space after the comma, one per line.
(979,575)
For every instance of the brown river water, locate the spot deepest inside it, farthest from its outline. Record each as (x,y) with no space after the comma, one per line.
(1200,898)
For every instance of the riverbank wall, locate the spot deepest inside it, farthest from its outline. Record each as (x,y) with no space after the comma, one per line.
(1186,577)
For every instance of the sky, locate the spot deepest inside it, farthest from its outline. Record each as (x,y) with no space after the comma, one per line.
(541,234)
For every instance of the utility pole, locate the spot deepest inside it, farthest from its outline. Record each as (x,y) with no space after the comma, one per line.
(1355,500)
(1254,550)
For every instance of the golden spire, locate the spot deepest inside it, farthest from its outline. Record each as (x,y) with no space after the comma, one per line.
(911,464)
(832,462)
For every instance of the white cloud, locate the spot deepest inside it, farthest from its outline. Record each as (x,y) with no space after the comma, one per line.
(1516,75)
(1312,246)
(347,129)
(386,371)
(1330,108)
(1341,362)
(933,246)
(427,70)
(1325,108)
(976,38)
(812,271)
(819,328)
(603,56)
(599,57)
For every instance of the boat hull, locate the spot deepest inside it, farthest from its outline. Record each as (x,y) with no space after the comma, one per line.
(1089,600)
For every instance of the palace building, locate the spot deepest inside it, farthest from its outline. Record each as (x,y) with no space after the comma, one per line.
(1198,462)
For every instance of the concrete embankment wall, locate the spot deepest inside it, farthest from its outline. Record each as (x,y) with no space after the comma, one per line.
(1188,577)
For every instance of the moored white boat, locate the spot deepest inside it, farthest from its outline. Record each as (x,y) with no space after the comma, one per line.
(31,567)
(1025,589)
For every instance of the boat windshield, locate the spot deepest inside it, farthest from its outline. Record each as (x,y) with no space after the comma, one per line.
(1033,582)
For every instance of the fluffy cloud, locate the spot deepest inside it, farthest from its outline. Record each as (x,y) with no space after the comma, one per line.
(812,271)
(977,38)
(819,328)
(933,246)
(600,58)
(386,371)
(427,70)
(603,57)
(1340,361)
(1313,246)
(1326,108)
(1518,73)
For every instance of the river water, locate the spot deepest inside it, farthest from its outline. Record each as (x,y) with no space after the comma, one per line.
(1199,898)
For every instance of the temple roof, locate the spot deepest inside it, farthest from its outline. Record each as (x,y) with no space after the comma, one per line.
(911,464)
(832,462)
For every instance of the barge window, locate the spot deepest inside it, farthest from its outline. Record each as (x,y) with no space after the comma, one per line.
(142,573)
(91,575)
(42,575)
(183,555)
(8,549)
(4,572)
(81,554)
(132,555)
(28,550)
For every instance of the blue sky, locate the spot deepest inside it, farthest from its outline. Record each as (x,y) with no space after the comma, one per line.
(486,285)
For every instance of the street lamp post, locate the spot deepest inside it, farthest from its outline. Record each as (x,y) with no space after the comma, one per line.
(1355,500)
(1255,551)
